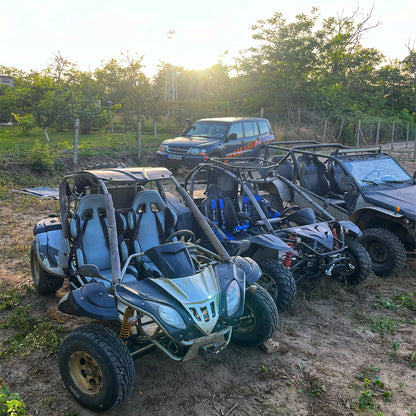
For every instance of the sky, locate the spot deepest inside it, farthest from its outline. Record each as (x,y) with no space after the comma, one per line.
(90,32)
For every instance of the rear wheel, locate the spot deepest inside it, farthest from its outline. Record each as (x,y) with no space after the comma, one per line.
(96,367)
(386,251)
(259,320)
(279,282)
(359,263)
(44,282)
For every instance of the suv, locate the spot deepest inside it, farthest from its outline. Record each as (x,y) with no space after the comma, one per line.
(225,137)
(364,185)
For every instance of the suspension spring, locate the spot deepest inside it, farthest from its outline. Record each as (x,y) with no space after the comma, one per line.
(336,243)
(287,257)
(126,326)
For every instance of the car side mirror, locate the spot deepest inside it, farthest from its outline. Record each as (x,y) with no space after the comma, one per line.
(414,175)
(232,136)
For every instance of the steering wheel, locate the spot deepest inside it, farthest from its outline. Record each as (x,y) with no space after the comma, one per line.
(376,175)
(183,234)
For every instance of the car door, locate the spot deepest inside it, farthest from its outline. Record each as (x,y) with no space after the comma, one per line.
(235,141)
(251,139)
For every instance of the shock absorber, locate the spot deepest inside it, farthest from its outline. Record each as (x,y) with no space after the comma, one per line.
(336,244)
(287,257)
(126,325)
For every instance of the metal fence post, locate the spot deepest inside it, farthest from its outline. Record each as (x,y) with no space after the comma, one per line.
(76,139)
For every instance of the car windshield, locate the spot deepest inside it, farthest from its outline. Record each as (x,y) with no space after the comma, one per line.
(208,130)
(376,171)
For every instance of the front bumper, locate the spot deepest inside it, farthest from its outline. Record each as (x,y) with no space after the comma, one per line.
(178,160)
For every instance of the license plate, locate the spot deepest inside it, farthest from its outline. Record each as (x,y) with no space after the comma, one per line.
(174,157)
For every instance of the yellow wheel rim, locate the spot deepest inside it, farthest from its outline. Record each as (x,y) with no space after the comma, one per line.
(86,373)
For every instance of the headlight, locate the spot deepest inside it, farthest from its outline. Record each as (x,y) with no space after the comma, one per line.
(195,151)
(163,148)
(233,298)
(169,315)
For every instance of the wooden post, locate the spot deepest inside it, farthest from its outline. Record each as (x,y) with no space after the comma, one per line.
(139,140)
(414,151)
(261,112)
(340,129)
(155,129)
(358,133)
(378,132)
(392,135)
(407,135)
(326,123)
(76,139)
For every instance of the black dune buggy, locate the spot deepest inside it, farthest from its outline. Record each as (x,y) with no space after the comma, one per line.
(126,245)
(362,184)
(252,200)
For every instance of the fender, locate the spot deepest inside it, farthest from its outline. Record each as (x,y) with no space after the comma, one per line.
(91,300)
(269,241)
(351,227)
(283,189)
(250,268)
(51,247)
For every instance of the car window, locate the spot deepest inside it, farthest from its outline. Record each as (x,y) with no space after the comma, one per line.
(249,129)
(208,130)
(376,170)
(264,127)
(236,128)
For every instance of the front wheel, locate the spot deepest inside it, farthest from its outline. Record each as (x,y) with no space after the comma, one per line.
(279,282)
(386,251)
(358,262)
(96,367)
(45,283)
(259,320)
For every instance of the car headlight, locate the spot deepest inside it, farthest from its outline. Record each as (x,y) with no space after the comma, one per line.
(169,315)
(195,151)
(233,298)
(163,148)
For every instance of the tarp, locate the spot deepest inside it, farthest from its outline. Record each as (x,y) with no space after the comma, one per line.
(40,192)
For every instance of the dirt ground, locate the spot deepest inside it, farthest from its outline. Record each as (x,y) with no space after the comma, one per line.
(328,356)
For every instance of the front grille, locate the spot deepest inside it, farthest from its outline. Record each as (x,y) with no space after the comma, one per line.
(204,313)
(176,149)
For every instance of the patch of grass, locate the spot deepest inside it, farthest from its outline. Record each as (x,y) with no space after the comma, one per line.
(10,298)
(382,325)
(374,388)
(32,333)
(402,301)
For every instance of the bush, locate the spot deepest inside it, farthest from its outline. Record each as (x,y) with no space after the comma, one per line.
(41,158)
(27,123)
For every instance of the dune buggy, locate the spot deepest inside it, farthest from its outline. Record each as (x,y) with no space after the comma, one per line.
(252,203)
(364,185)
(126,245)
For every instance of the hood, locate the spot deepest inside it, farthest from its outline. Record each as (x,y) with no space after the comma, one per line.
(404,198)
(190,142)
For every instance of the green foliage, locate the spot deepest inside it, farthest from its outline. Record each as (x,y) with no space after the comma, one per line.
(11,404)
(42,158)
(374,388)
(33,333)
(383,325)
(9,298)
(26,123)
